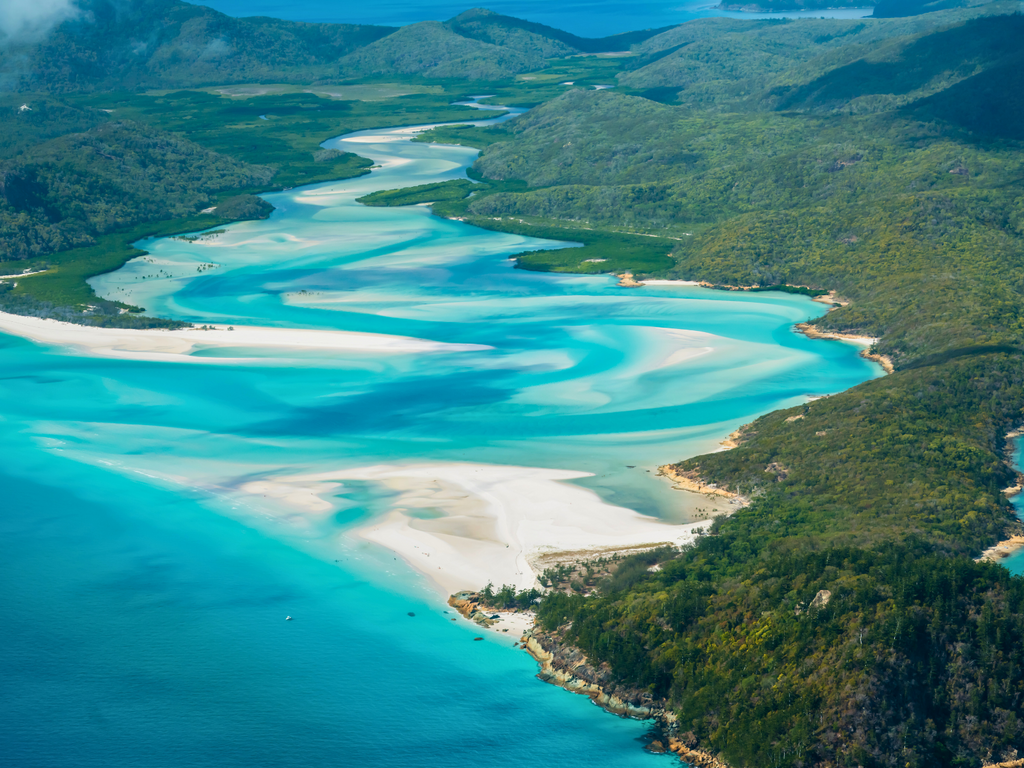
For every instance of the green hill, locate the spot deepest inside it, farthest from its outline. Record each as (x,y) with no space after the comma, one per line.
(907,70)
(883,160)
(430,49)
(481,24)
(732,64)
(476,45)
(171,44)
(65,192)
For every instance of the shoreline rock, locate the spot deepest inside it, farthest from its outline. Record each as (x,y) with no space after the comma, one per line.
(1015,542)
(692,481)
(470,605)
(735,438)
(567,667)
(813,332)
(1018,763)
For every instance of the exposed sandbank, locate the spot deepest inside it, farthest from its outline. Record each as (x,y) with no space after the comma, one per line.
(464,525)
(180,345)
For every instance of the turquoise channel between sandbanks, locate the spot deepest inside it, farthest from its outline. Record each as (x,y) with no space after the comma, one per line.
(157,533)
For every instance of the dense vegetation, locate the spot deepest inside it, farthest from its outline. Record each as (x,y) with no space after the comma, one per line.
(443,191)
(914,658)
(171,44)
(902,210)
(837,620)
(886,166)
(107,169)
(64,192)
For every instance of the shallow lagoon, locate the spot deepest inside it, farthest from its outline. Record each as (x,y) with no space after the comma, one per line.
(145,623)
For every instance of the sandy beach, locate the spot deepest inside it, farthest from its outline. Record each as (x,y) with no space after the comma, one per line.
(671,282)
(1002,549)
(865,341)
(463,525)
(180,345)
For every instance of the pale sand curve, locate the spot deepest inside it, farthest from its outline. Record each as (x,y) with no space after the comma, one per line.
(463,525)
(179,345)
(672,282)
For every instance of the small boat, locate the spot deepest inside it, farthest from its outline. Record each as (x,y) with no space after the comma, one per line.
(287,618)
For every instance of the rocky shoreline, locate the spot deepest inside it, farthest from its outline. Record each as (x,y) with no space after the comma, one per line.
(567,667)
(470,606)
(1015,541)
(812,332)
(692,481)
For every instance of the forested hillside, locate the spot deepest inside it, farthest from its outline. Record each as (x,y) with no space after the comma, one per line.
(476,45)
(912,210)
(171,44)
(174,44)
(63,193)
(753,65)
(432,50)
(880,159)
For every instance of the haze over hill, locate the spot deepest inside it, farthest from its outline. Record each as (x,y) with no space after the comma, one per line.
(170,44)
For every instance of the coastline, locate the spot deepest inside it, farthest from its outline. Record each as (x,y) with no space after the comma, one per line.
(693,482)
(463,524)
(1015,542)
(812,332)
(475,517)
(567,667)
(628,280)
(516,623)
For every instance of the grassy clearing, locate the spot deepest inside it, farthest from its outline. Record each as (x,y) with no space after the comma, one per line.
(63,276)
(601,251)
(282,131)
(347,92)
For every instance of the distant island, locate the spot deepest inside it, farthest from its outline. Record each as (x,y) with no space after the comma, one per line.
(784,6)
(880,8)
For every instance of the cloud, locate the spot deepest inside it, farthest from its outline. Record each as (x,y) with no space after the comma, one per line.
(26,21)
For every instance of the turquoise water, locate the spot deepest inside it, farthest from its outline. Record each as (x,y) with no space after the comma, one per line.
(1015,562)
(146,586)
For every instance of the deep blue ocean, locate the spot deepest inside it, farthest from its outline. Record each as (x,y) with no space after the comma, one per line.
(148,566)
(590,19)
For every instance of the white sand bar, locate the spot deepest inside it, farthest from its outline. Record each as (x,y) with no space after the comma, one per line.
(179,345)
(670,282)
(464,524)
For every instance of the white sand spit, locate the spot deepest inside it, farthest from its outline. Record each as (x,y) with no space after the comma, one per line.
(178,345)
(464,524)
(672,282)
